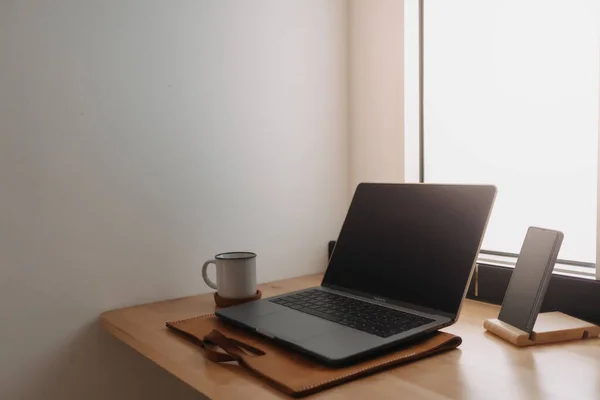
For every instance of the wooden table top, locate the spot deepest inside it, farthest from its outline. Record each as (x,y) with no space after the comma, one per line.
(484,366)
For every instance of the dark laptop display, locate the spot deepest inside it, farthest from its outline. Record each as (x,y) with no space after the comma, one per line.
(411,244)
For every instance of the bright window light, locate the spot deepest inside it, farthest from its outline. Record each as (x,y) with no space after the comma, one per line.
(511,98)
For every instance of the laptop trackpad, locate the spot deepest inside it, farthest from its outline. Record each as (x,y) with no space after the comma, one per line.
(294,326)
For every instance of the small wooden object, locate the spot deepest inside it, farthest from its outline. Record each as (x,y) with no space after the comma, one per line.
(225,302)
(549,327)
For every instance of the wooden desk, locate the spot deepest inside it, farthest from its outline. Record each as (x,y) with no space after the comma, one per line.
(484,367)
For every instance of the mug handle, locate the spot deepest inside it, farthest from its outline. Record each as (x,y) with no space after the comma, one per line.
(207,280)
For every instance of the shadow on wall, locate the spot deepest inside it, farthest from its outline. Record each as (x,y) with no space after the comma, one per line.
(93,365)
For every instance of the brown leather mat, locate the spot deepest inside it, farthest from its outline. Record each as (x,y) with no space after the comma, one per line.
(288,371)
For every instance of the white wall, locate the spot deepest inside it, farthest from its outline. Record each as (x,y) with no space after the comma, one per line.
(139,138)
(376,84)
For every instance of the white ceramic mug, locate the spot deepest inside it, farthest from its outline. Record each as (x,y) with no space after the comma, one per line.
(236,274)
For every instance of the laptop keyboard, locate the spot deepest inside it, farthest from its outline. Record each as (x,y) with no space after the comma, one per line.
(366,317)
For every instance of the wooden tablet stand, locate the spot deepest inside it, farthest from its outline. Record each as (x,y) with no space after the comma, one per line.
(550,327)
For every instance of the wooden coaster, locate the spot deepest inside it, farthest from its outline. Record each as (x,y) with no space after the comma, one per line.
(225,302)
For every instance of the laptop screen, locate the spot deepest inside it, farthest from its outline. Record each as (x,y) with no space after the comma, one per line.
(414,243)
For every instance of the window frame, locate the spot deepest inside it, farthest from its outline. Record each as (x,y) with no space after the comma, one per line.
(579,269)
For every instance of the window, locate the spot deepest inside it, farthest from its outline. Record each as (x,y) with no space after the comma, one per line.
(511,97)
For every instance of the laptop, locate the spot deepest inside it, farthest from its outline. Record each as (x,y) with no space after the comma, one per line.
(400,270)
